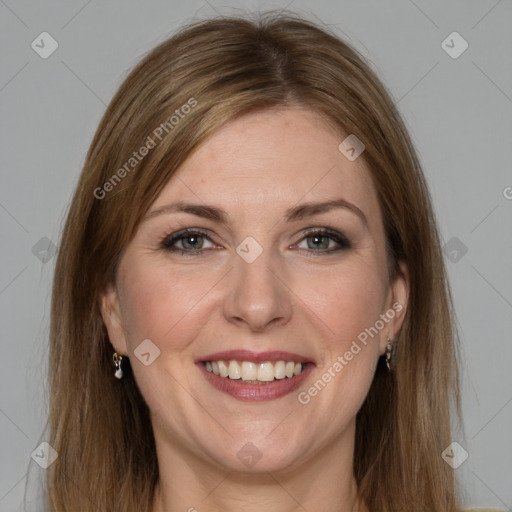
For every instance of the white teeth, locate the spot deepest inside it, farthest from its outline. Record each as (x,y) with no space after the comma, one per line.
(234,370)
(280,368)
(223,369)
(249,371)
(266,372)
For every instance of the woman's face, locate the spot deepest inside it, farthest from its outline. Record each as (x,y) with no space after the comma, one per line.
(283,262)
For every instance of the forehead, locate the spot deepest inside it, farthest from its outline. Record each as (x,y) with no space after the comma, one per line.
(271,160)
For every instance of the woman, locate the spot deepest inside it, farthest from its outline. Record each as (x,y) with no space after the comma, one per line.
(250,309)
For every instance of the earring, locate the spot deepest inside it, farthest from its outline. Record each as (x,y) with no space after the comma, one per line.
(117,363)
(389,353)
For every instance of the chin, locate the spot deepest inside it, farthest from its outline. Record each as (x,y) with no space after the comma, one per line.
(251,460)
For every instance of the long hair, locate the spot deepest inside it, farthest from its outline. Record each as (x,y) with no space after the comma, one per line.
(209,73)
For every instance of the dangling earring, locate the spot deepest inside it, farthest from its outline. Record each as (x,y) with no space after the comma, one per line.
(117,363)
(389,352)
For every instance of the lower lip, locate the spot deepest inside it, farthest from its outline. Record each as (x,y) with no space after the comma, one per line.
(256,392)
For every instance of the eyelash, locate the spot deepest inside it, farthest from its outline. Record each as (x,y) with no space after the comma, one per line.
(168,241)
(342,241)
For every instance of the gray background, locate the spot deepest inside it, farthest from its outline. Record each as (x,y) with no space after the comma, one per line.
(458,111)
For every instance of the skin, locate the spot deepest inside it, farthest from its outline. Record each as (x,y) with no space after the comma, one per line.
(295,297)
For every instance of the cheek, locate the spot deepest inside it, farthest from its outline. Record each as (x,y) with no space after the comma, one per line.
(347,299)
(164,307)
(348,303)
(157,304)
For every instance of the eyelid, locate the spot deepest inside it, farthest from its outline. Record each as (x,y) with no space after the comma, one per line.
(169,239)
(339,238)
(324,230)
(342,241)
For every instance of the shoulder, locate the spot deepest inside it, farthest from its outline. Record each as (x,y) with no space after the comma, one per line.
(483,510)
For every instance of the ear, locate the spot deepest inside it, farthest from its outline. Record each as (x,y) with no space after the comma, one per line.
(111,314)
(397,302)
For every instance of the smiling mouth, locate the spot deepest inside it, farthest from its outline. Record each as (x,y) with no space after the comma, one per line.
(255,373)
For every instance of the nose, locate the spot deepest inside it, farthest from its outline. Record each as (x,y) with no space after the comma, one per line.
(258,297)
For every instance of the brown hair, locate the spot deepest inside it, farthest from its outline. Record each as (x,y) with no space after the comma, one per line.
(224,68)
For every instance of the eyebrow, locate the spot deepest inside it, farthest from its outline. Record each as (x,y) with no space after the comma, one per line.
(295,213)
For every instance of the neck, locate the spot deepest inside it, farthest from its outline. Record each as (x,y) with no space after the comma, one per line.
(324,482)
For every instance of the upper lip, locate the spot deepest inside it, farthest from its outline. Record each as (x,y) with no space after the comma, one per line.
(255,357)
